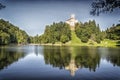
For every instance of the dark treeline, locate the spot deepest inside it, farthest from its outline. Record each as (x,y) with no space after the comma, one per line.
(57,32)
(113,32)
(89,30)
(11,34)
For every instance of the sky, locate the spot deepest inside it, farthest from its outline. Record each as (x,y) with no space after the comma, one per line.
(33,15)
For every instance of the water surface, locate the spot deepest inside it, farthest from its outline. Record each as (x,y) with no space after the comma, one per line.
(59,63)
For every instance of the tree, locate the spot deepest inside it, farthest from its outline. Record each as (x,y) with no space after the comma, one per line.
(56,32)
(64,39)
(21,37)
(88,30)
(101,6)
(11,34)
(2,6)
(113,32)
(4,38)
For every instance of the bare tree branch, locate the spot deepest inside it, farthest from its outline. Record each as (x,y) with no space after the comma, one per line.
(2,6)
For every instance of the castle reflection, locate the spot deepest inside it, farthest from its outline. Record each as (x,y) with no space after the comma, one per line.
(72,67)
(74,58)
(68,58)
(71,58)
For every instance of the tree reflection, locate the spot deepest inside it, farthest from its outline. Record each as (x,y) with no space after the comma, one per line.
(114,57)
(56,56)
(8,57)
(88,61)
(71,58)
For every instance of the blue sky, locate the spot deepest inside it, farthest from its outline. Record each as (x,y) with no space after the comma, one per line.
(33,15)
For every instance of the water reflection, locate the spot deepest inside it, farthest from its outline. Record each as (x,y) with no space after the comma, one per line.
(35,59)
(114,57)
(72,67)
(56,56)
(74,58)
(9,56)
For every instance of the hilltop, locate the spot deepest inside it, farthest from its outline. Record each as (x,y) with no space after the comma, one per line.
(83,34)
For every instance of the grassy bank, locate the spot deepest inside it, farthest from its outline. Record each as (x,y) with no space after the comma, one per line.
(104,43)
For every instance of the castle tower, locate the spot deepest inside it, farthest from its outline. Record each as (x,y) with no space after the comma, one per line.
(72,21)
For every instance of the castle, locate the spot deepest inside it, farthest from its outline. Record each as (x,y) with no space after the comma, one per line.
(72,21)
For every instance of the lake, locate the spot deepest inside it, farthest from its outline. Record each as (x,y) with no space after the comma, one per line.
(33,62)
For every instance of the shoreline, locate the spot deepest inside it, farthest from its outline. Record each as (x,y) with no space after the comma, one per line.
(98,45)
(102,44)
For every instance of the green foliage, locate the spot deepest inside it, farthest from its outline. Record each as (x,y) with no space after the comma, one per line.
(113,32)
(58,32)
(55,33)
(84,39)
(11,34)
(64,38)
(108,42)
(89,30)
(4,38)
(36,39)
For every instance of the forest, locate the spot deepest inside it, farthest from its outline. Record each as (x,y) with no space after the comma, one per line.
(58,33)
(11,34)
(89,30)
(86,32)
